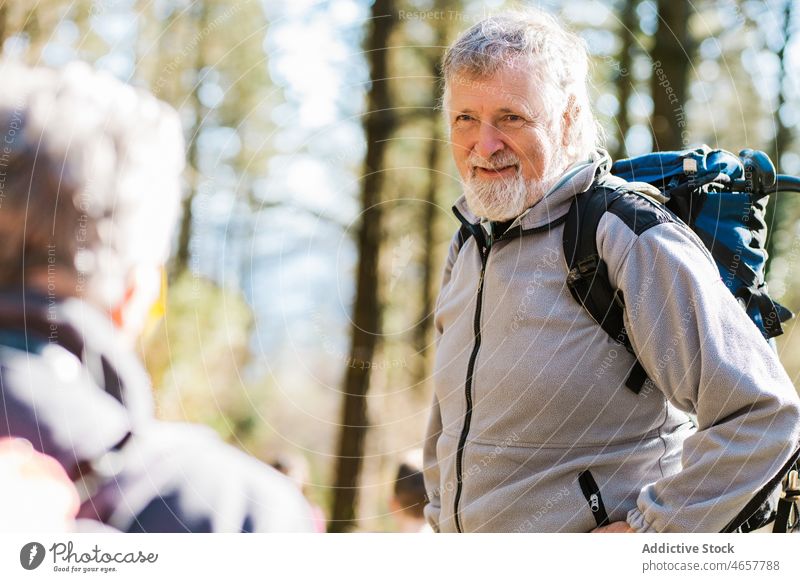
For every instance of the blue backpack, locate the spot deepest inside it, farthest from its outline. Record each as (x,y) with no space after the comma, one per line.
(722,198)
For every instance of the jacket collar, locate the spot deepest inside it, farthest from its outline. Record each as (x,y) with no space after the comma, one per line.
(556,202)
(86,333)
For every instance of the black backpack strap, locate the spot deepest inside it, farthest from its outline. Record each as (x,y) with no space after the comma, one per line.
(463,235)
(783,515)
(466,230)
(789,498)
(587,277)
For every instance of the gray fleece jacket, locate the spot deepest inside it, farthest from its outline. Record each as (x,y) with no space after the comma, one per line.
(532,428)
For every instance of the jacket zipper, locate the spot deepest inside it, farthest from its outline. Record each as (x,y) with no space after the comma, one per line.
(462,441)
(485,246)
(592,493)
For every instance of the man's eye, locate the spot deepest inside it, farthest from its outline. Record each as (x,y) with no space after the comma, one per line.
(513,120)
(464,118)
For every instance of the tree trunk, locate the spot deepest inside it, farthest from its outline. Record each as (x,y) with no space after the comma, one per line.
(672,55)
(782,142)
(423,334)
(183,253)
(623,77)
(3,23)
(366,310)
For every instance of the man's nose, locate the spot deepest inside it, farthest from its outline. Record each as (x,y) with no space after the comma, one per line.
(489,141)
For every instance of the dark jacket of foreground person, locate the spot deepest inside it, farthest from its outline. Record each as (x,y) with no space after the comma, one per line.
(76,393)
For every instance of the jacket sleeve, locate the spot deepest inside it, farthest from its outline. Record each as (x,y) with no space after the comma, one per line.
(702,351)
(431,471)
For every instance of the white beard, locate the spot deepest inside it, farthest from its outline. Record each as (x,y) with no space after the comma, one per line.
(504,199)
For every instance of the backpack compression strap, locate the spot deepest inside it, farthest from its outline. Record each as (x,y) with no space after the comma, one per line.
(753,292)
(788,502)
(588,274)
(789,497)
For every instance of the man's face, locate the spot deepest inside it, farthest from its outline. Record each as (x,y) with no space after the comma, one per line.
(506,145)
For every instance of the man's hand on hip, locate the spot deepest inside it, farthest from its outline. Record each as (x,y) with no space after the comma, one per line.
(616,527)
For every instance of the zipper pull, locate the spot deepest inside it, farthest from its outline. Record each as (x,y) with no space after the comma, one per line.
(592,493)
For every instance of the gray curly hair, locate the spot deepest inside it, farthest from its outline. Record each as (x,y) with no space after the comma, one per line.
(89,177)
(533,39)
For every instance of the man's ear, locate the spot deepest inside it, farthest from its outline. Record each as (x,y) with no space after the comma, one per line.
(570,116)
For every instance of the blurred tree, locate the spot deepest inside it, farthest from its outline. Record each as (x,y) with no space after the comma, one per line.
(672,55)
(16,20)
(195,356)
(417,225)
(629,26)
(160,63)
(206,58)
(423,339)
(378,125)
(200,18)
(779,206)
(3,22)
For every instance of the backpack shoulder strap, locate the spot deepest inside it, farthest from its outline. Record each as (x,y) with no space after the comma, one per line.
(587,278)
(463,235)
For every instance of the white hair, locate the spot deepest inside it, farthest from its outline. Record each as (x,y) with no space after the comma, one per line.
(89,177)
(556,57)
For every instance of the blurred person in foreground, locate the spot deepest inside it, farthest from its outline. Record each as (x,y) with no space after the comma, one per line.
(408,499)
(532,428)
(37,495)
(296,468)
(89,196)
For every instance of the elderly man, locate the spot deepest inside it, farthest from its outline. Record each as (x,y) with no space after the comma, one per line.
(532,429)
(89,194)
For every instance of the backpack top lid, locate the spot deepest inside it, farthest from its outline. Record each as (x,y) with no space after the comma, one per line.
(666,170)
(722,198)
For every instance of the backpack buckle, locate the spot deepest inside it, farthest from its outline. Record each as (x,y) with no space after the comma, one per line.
(588,265)
(791,491)
(584,268)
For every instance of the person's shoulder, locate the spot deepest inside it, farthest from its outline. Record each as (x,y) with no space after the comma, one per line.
(17,350)
(188,479)
(47,366)
(638,205)
(638,219)
(49,399)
